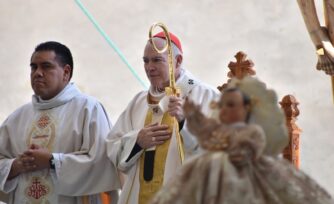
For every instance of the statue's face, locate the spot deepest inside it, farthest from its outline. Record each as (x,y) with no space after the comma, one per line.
(233,109)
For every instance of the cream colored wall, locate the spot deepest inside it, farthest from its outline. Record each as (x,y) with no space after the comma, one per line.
(272,32)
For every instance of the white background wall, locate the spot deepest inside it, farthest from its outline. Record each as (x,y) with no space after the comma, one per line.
(272,32)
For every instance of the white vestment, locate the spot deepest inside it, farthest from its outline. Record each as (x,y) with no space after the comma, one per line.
(73,127)
(123,135)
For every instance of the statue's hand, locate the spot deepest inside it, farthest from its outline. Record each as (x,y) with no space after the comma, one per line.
(326,63)
(325,53)
(189,108)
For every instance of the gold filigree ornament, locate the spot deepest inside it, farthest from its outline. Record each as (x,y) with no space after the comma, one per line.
(42,132)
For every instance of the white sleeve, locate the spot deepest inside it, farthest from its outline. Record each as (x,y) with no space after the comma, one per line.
(6,161)
(8,185)
(122,139)
(87,171)
(119,150)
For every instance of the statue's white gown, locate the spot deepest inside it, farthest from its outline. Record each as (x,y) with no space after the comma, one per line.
(236,170)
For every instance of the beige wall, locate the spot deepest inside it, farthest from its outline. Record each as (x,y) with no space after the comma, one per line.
(270,31)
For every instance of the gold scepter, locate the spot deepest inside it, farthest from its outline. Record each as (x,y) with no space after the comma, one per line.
(172,89)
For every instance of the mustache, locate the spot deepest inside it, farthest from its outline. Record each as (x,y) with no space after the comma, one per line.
(38,80)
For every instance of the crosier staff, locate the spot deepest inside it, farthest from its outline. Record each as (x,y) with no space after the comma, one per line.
(172,89)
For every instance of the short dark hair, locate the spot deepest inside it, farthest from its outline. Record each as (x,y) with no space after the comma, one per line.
(63,53)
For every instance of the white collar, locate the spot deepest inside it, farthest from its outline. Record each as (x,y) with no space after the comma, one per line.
(69,92)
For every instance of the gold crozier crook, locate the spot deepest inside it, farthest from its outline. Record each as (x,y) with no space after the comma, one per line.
(171,90)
